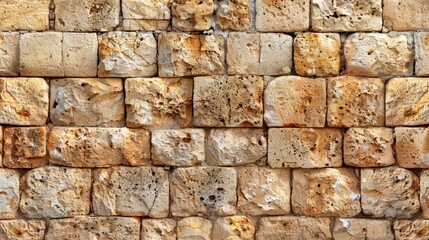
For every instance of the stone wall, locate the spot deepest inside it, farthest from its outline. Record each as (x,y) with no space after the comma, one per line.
(203,119)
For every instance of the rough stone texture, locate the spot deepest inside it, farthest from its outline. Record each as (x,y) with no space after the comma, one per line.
(282,15)
(235,146)
(233,227)
(55,192)
(146,15)
(158,229)
(233,101)
(85,227)
(361,229)
(183,148)
(264,191)
(9,57)
(98,147)
(355,102)
(9,197)
(304,147)
(131,191)
(194,228)
(325,192)
(389,192)
(368,147)
(87,102)
(1,146)
(86,15)
(181,54)
(203,190)
(80,54)
(293,228)
(411,229)
(23,101)
(422,53)
(22,229)
(317,54)
(159,102)
(233,15)
(379,54)
(404,15)
(295,101)
(25,147)
(127,54)
(407,101)
(192,15)
(412,147)
(24,15)
(259,53)
(424,192)
(346,16)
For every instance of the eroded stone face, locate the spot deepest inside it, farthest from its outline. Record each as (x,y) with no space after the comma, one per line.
(22,229)
(233,15)
(146,15)
(9,47)
(194,228)
(233,227)
(424,192)
(24,15)
(80,54)
(158,229)
(405,15)
(412,147)
(351,229)
(411,229)
(422,53)
(9,199)
(192,15)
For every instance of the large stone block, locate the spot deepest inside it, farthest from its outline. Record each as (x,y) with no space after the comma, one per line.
(194,228)
(233,15)
(9,197)
(421,40)
(233,227)
(145,15)
(411,229)
(192,15)
(22,229)
(9,57)
(24,15)
(412,147)
(406,15)
(352,229)
(158,229)
(424,192)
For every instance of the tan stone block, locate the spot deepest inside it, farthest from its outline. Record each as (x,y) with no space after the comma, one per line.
(389,192)
(295,101)
(235,146)
(346,16)
(127,54)
(282,15)
(194,228)
(407,102)
(144,25)
(203,190)
(404,15)
(421,40)
(85,227)
(379,54)
(228,101)
(9,57)
(149,10)
(361,229)
(9,197)
(24,101)
(233,15)
(158,229)
(22,229)
(131,191)
(80,53)
(424,192)
(159,102)
(355,102)
(55,192)
(233,227)
(182,148)
(86,15)
(24,15)
(98,147)
(181,54)
(411,229)
(304,147)
(259,53)
(192,15)
(293,228)
(412,147)
(368,147)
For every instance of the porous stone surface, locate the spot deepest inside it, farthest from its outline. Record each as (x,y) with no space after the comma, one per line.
(233,101)
(192,15)
(405,15)
(79,52)
(158,229)
(304,147)
(194,228)
(98,147)
(24,15)
(131,191)
(9,197)
(203,190)
(412,147)
(233,15)
(355,228)
(22,229)
(233,227)
(389,192)
(424,192)
(411,229)
(55,192)
(146,15)
(355,102)
(422,53)
(9,59)
(159,102)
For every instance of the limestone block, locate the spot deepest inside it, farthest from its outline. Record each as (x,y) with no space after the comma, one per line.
(396,187)
(22,229)
(233,227)
(233,15)
(158,229)
(98,147)
(295,101)
(259,53)
(159,102)
(131,191)
(181,54)
(361,229)
(127,54)
(55,192)
(146,15)
(411,229)
(182,148)
(192,15)
(304,147)
(228,101)
(203,190)
(424,192)
(9,57)
(405,15)
(24,101)
(9,197)
(24,15)
(422,53)
(355,102)
(412,147)
(194,228)
(407,102)
(326,192)
(80,53)
(368,147)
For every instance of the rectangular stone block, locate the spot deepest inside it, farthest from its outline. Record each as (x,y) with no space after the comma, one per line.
(233,227)
(80,53)
(22,229)
(158,229)
(411,229)
(412,147)
(145,15)
(355,228)
(233,15)
(24,15)
(194,228)
(406,15)
(424,192)
(192,15)
(9,197)
(421,40)
(9,53)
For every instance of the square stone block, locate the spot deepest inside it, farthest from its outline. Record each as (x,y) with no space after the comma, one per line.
(406,15)
(9,197)
(412,147)
(22,229)
(355,228)
(24,15)
(9,53)
(233,15)
(192,15)
(145,15)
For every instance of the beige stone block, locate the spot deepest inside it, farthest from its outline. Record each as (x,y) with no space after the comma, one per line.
(55,192)
(24,15)
(131,191)
(9,49)
(355,102)
(235,146)
(304,147)
(228,101)
(233,15)
(233,227)
(407,102)
(158,229)
(405,15)
(259,53)
(389,192)
(22,229)
(368,147)
(159,102)
(80,53)
(24,101)
(412,147)
(144,25)
(9,197)
(295,101)
(194,228)
(192,15)
(203,190)
(424,192)
(417,229)
(146,15)
(98,147)
(421,40)
(361,229)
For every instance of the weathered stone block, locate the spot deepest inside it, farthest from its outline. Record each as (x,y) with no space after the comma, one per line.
(192,15)
(404,15)
(424,192)
(80,54)
(233,15)
(352,229)
(24,15)
(22,229)
(412,147)
(422,53)
(146,15)
(411,229)
(9,197)
(194,228)
(9,57)
(158,229)
(233,227)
